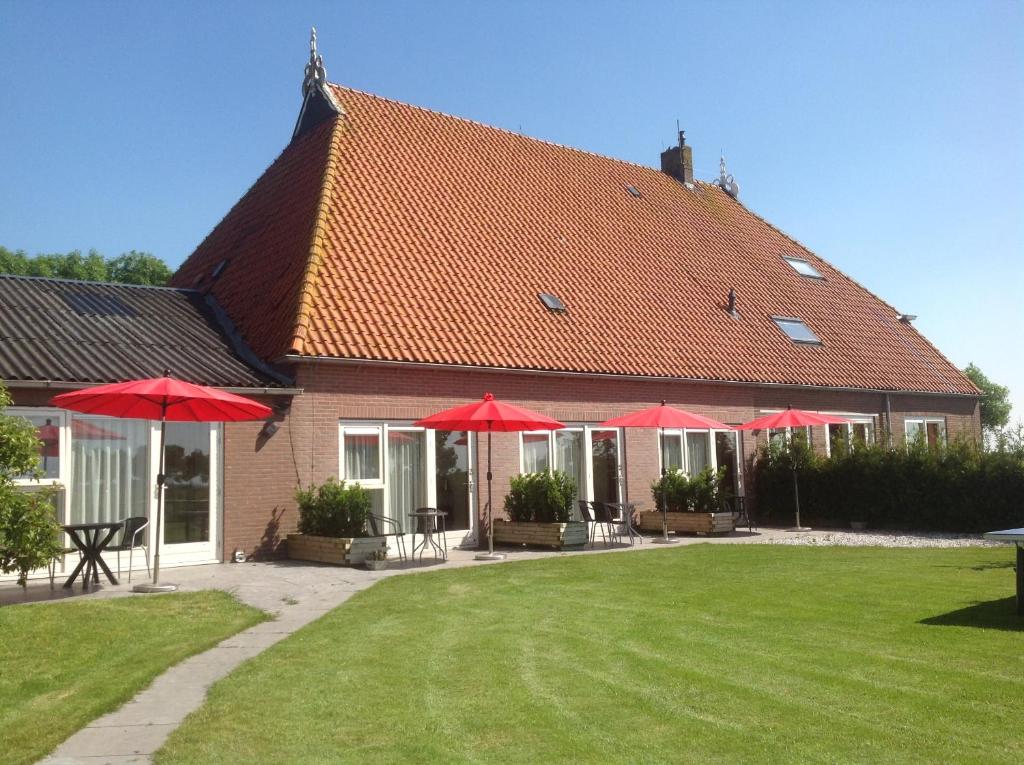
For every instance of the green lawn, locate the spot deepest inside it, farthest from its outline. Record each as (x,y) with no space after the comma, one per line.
(699,654)
(64,664)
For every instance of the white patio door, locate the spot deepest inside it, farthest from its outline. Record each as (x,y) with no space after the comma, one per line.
(191,517)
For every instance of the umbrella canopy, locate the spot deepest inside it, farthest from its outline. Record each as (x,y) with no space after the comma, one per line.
(492,416)
(791,418)
(664,416)
(162,398)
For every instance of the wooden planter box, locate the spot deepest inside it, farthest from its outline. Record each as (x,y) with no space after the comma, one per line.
(341,551)
(561,536)
(688,523)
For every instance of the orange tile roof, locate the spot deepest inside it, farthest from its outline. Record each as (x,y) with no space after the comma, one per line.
(397,233)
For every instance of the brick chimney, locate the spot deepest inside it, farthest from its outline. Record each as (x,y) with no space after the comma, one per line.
(677,161)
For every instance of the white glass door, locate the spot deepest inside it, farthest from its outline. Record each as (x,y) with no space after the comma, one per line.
(191,491)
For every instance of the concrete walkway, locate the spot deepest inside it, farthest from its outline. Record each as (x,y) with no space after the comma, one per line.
(295,593)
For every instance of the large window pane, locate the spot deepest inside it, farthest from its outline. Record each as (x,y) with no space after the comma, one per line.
(726,457)
(936,432)
(48,432)
(109,469)
(362,454)
(569,457)
(535,453)
(838,439)
(605,455)
(672,451)
(406,480)
(451,460)
(187,483)
(697,452)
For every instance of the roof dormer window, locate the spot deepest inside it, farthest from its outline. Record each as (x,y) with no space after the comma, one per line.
(796,330)
(803,267)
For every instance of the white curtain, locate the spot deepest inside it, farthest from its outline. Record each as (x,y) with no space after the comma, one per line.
(569,458)
(362,455)
(109,469)
(697,451)
(535,453)
(672,452)
(406,475)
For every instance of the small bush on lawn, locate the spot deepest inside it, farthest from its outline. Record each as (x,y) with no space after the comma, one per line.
(704,493)
(954,488)
(542,497)
(333,509)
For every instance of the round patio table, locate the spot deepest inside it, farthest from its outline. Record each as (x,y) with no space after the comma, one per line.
(431,518)
(626,510)
(1016,536)
(91,539)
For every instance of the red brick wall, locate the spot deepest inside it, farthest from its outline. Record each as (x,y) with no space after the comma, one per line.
(260,473)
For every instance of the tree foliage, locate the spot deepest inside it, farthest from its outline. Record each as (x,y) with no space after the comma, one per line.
(995,399)
(129,268)
(29,534)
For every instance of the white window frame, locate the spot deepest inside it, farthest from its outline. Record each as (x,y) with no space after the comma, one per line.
(60,418)
(923,422)
(585,492)
(854,419)
(792,260)
(364,427)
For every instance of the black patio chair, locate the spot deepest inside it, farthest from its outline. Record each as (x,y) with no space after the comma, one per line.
(376,522)
(131,537)
(588,518)
(606,517)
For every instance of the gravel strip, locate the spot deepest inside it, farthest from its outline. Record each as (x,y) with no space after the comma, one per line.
(880,539)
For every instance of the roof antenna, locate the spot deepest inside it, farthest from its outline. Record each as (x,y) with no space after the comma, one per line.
(725,181)
(315,73)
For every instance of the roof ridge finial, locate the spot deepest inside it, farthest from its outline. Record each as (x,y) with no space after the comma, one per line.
(315,73)
(725,180)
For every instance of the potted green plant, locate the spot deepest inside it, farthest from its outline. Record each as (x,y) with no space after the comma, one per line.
(377,560)
(332,524)
(689,505)
(539,509)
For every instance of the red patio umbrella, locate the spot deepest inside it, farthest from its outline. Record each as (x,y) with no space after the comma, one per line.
(162,398)
(491,416)
(661,417)
(792,418)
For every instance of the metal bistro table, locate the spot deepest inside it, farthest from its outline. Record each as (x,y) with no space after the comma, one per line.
(431,519)
(1016,536)
(92,539)
(626,510)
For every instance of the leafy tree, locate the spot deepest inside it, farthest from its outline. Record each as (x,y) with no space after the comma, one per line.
(995,400)
(29,535)
(129,268)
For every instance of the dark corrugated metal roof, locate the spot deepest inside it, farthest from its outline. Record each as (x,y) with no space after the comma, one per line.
(60,330)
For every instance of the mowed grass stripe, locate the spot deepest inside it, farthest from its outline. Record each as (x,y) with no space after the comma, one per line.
(698,654)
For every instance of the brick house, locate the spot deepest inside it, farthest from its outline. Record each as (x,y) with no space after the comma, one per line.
(394,261)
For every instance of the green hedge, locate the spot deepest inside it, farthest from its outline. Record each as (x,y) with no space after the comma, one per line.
(955,488)
(544,497)
(704,493)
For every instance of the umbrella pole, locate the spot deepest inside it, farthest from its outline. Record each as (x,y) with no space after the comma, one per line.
(664,505)
(155,586)
(796,504)
(490,554)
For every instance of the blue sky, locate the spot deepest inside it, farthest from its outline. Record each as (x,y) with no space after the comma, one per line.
(885,136)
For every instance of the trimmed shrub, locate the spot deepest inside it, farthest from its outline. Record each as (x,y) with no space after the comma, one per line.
(703,493)
(333,509)
(954,488)
(542,497)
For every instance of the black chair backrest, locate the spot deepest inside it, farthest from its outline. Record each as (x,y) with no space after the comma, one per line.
(603,513)
(371,521)
(585,510)
(131,526)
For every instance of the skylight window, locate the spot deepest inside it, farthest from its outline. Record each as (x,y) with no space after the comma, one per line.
(551,302)
(796,330)
(634,191)
(803,267)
